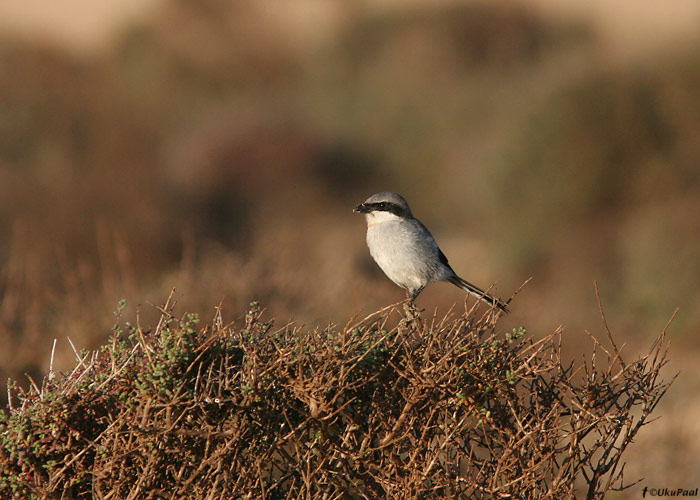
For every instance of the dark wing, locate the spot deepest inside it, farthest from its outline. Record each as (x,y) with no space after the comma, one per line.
(430,245)
(443,259)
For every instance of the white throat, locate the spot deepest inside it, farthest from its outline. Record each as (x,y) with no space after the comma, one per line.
(379,217)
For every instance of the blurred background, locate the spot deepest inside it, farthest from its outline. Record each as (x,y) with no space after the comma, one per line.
(218,148)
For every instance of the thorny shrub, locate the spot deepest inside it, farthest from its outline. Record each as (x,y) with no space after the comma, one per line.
(453,408)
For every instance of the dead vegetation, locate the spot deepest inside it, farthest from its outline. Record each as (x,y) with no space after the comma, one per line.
(428,408)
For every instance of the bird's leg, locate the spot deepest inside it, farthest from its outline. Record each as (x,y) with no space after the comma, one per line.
(411,320)
(411,296)
(415,293)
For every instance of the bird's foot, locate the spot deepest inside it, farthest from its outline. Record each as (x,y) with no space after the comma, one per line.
(412,319)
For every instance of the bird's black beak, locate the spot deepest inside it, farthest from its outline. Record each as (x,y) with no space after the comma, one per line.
(361,209)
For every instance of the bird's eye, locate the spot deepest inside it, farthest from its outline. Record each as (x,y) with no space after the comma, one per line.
(382,205)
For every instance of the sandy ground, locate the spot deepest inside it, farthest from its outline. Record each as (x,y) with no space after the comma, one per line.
(82,26)
(631,27)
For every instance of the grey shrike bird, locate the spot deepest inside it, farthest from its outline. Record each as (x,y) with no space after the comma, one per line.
(406,251)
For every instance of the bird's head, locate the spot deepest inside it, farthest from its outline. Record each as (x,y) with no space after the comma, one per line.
(384,206)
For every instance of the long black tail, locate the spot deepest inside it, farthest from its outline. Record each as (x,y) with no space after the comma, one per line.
(479,293)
